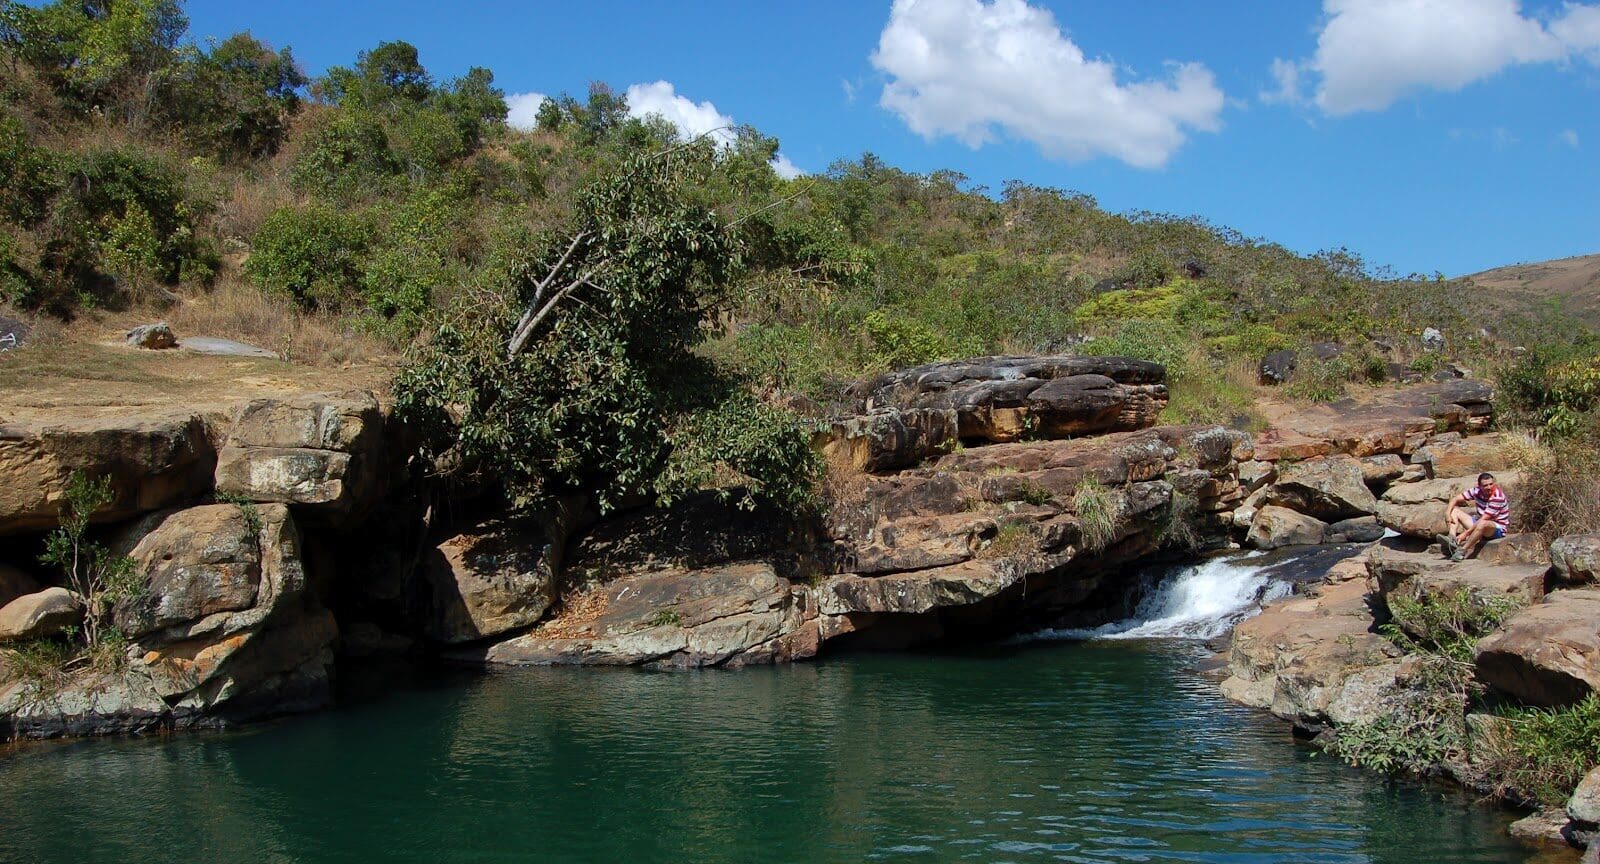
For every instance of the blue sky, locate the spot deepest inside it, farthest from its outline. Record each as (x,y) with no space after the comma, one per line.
(1426,135)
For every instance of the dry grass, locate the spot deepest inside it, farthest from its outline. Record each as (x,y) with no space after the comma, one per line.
(1560,493)
(237,310)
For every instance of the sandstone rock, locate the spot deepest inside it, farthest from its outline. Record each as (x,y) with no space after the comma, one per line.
(701,618)
(44,613)
(1362,529)
(1313,660)
(225,348)
(1576,558)
(1381,470)
(1255,474)
(320,452)
(1278,526)
(1584,805)
(1549,653)
(154,336)
(151,461)
(1422,576)
(1417,509)
(1454,456)
(919,592)
(1515,549)
(498,576)
(205,560)
(1245,513)
(14,583)
(95,705)
(1331,488)
(890,438)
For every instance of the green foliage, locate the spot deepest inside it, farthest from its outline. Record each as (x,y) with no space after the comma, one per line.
(316,255)
(1099,513)
(1422,727)
(247,509)
(1545,752)
(97,575)
(1319,380)
(39,662)
(601,393)
(742,440)
(347,157)
(413,256)
(1178,529)
(665,618)
(1032,493)
(99,54)
(1555,387)
(1446,625)
(28,175)
(899,341)
(235,100)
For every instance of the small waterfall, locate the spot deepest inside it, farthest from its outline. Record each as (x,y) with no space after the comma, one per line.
(1197,602)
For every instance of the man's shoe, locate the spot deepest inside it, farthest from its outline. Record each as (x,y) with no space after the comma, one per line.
(1459,554)
(1447,544)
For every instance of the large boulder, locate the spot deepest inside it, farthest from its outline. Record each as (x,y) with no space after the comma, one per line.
(1314,660)
(1418,509)
(153,336)
(728,615)
(41,614)
(1277,367)
(1279,526)
(1576,558)
(201,561)
(1433,579)
(151,462)
(1329,489)
(496,577)
(1452,455)
(322,453)
(1549,653)
(1584,805)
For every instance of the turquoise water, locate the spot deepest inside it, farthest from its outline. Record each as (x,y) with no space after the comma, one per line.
(1095,752)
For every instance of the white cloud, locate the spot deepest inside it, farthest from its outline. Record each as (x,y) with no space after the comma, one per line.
(523,109)
(694,119)
(966,68)
(1372,53)
(1287,75)
(1569,137)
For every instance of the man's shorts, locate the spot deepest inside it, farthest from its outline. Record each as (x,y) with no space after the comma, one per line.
(1498,531)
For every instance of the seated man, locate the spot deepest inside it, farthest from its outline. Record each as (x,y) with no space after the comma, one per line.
(1490,522)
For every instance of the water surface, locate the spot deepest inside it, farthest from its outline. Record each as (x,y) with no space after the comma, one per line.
(1043,751)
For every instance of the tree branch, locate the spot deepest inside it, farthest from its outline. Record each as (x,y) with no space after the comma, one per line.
(520,333)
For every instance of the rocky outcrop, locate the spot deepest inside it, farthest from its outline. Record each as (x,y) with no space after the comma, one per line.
(323,453)
(909,415)
(497,577)
(1549,653)
(1432,578)
(1418,509)
(151,463)
(1576,559)
(730,615)
(1330,488)
(1274,527)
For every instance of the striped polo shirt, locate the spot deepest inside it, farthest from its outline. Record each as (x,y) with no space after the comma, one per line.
(1491,505)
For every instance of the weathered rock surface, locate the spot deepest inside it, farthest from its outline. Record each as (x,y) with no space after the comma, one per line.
(910,415)
(1516,549)
(1277,367)
(1584,805)
(151,461)
(323,453)
(1331,488)
(1422,576)
(1451,455)
(1362,529)
(1314,660)
(199,562)
(1576,558)
(1279,526)
(727,615)
(494,578)
(153,336)
(43,613)
(1549,653)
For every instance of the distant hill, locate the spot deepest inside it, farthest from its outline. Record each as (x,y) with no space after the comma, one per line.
(1573,282)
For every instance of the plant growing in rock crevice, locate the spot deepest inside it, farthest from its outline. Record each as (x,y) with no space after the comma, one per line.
(1424,724)
(1179,529)
(96,574)
(1542,753)
(1099,513)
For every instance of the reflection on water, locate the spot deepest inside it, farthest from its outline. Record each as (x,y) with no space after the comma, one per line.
(1042,752)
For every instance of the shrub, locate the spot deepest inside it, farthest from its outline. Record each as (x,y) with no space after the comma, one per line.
(1178,529)
(315,255)
(1099,513)
(1319,380)
(1446,625)
(899,341)
(97,575)
(1560,493)
(1543,753)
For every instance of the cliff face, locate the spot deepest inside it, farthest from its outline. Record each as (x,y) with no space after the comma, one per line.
(968,499)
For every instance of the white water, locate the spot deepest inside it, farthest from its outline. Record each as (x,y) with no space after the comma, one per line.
(1199,602)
